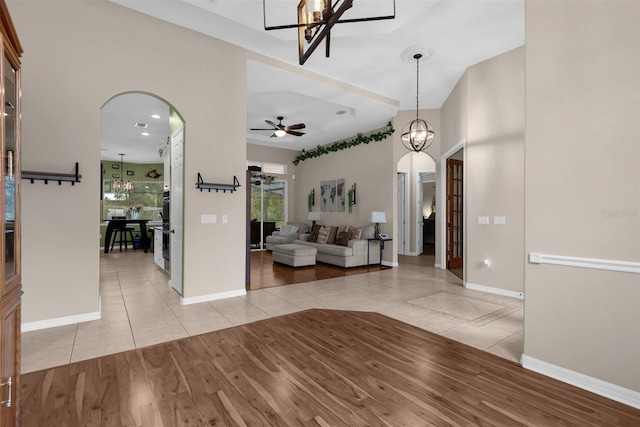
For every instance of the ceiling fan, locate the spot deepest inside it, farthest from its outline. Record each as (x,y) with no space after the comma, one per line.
(281,130)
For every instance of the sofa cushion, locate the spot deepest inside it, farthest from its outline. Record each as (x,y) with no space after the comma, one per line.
(323,234)
(368,232)
(336,250)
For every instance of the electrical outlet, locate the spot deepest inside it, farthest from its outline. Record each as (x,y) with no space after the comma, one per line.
(225,219)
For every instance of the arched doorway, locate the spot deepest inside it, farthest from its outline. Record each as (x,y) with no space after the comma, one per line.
(416,171)
(141,135)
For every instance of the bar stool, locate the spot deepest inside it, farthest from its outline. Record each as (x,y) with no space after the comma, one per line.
(122,232)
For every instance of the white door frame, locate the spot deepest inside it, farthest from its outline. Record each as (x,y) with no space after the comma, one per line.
(424,177)
(442,214)
(404,231)
(176,216)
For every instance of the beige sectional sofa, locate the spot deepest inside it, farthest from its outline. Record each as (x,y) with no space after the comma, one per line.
(356,252)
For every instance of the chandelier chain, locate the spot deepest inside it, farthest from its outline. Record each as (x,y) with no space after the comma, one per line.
(417,83)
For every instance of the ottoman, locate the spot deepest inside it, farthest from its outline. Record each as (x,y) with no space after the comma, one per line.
(294,255)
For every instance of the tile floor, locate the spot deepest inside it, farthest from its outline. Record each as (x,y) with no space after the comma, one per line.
(140,309)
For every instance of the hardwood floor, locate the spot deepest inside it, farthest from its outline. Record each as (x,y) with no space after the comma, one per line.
(311,368)
(266,274)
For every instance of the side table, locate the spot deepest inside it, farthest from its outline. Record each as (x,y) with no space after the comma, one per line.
(381,247)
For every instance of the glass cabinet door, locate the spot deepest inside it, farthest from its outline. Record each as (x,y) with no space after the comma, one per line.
(9,164)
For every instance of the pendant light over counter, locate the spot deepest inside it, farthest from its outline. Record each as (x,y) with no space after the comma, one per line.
(119,185)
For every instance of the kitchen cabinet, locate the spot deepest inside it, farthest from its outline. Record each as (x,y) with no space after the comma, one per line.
(10,244)
(157,247)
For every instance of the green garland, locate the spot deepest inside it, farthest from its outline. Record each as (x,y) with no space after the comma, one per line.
(343,145)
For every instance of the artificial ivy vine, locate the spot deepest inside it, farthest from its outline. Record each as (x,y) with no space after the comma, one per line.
(343,145)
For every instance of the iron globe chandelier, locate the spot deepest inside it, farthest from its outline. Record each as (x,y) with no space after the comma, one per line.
(418,134)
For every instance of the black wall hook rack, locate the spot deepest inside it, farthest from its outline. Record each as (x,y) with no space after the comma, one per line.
(52,176)
(201,185)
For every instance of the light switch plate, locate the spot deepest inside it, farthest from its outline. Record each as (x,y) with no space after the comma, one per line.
(483,220)
(500,220)
(208,219)
(225,219)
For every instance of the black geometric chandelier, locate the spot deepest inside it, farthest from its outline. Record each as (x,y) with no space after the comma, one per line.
(315,20)
(418,134)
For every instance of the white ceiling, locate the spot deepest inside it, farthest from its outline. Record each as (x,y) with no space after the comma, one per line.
(366,75)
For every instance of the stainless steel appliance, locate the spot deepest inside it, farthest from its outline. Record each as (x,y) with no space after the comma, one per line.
(166,238)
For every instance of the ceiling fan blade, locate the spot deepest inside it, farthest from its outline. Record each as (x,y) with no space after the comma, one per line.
(293,132)
(274,135)
(298,126)
(270,123)
(260,129)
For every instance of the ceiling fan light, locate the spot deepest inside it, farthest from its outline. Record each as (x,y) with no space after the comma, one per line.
(280,133)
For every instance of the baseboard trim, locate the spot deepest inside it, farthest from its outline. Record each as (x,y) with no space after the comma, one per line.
(390,264)
(437,265)
(595,263)
(212,297)
(63,321)
(497,291)
(585,382)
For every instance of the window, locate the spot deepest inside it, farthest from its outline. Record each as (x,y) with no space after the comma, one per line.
(147,194)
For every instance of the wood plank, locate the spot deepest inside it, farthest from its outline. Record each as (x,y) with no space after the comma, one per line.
(312,368)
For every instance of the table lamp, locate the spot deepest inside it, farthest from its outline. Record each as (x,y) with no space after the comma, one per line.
(378,218)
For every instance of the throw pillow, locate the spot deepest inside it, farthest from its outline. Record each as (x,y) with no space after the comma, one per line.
(355,233)
(342,238)
(332,235)
(285,229)
(323,235)
(313,237)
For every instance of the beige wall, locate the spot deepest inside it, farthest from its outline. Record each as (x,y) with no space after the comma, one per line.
(582,161)
(494,172)
(486,111)
(66,79)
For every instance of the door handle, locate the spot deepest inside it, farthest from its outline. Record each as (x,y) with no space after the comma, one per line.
(172,231)
(7,402)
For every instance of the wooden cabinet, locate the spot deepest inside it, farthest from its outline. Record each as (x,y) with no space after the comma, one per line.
(10,249)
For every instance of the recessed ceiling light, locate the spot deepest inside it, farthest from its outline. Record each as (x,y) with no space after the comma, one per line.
(155,116)
(145,134)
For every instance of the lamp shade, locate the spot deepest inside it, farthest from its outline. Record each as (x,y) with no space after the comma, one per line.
(378,217)
(313,216)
